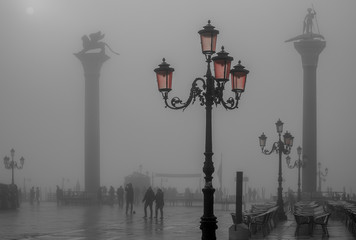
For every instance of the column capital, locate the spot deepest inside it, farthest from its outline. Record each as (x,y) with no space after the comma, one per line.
(92,62)
(309,51)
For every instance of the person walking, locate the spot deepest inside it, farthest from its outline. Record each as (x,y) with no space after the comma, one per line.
(32,195)
(38,195)
(99,195)
(120,196)
(148,200)
(111,195)
(159,198)
(59,195)
(129,197)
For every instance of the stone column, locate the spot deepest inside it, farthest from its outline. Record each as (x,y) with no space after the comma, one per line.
(309,49)
(92,63)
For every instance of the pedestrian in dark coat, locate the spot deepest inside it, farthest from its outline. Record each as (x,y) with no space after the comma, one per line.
(32,195)
(111,195)
(120,196)
(148,200)
(159,198)
(129,197)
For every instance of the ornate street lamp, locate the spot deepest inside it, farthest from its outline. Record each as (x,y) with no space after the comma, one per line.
(13,164)
(208,91)
(280,148)
(300,163)
(321,175)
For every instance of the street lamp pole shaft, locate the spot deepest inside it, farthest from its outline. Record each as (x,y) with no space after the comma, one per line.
(319,187)
(12,169)
(208,220)
(280,202)
(299,192)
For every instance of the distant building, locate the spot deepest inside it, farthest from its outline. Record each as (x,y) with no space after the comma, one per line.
(138,180)
(140,183)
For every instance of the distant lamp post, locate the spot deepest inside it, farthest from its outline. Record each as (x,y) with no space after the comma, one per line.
(245,180)
(299,164)
(280,148)
(208,91)
(321,175)
(11,164)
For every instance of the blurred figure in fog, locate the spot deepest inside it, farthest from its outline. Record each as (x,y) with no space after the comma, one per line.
(249,194)
(111,195)
(38,195)
(59,195)
(104,192)
(99,195)
(129,197)
(120,196)
(291,199)
(148,200)
(32,195)
(159,198)
(188,197)
(19,193)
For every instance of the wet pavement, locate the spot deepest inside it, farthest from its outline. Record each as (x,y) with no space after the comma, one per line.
(48,221)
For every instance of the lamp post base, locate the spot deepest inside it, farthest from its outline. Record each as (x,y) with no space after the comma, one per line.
(208,220)
(208,227)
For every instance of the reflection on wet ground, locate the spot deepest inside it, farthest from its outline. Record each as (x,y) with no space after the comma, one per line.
(48,221)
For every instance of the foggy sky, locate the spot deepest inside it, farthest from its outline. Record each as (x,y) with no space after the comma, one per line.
(42,89)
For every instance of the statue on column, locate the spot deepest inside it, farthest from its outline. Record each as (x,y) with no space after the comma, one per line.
(307,28)
(93,42)
(308,21)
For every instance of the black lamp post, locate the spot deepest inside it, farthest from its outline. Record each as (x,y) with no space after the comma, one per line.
(13,164)
(210,92)
(280,148)
(321,175)
(299,164)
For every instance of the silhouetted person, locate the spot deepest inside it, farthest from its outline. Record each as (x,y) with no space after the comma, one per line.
(254,194)
(129,197)
(99,195)
(111,195)
(38,195)
(104,192)
(120,196)
(291,199)
(19,193)
(32,195)
(59,195)
(148,200)
(159,198)
(188,197)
